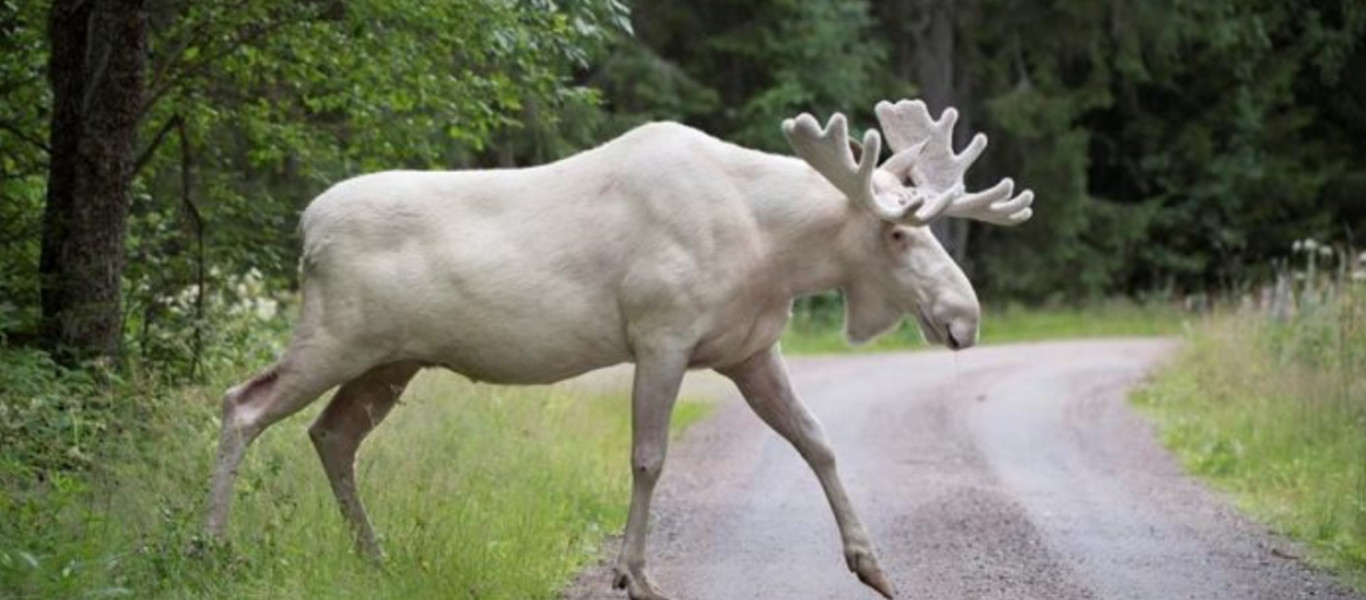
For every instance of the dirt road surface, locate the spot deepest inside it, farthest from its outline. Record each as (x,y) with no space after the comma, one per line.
(1006,472)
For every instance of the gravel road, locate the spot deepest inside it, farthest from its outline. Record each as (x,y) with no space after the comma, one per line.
(1007,472)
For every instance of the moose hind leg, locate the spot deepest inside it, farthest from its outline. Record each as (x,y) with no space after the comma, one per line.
(359,406)
(300,377)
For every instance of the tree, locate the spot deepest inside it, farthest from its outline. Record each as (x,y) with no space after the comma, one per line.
(759,63)
(263,104)
(280,100)
(96,69)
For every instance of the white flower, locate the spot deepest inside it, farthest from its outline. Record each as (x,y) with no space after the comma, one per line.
(1325,251)
(266,308)
(1310,245)
(1295,247)
(1362,258)
(187,295)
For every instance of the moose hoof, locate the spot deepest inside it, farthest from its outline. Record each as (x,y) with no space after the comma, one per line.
(636,584)
(203,547)
(864,564)
(372,553)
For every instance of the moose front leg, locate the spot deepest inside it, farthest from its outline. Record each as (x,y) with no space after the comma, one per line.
(654,391)
(762,379)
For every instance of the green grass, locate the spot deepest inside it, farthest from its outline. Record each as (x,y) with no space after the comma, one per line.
(821,334)
(1275,415)
(477,492)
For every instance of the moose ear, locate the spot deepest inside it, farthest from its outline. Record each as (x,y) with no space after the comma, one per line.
(856,149)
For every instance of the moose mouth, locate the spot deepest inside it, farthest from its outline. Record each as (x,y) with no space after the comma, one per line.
(939,334)
(934,334)
(952,342)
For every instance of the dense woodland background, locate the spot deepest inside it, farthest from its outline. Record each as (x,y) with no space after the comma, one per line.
(157,151)
(155,156)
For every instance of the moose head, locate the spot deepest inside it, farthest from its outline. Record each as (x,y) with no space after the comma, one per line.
(921,182)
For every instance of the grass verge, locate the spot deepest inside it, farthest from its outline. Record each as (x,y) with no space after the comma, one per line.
(820,333)
(478,492)
(1275,414)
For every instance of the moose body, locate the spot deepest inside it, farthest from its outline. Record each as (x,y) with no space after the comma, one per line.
(539,274)
(665,247)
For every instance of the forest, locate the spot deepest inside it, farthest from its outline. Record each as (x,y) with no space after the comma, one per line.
(1176,147)
(155,156)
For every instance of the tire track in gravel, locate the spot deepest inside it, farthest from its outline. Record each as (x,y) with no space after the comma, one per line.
(1004,472)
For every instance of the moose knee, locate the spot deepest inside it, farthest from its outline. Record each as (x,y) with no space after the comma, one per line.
(319,435)
(327,441)
(238,417)
(647,463)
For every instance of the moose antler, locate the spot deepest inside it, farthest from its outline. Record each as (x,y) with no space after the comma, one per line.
(827,150)
(924,152)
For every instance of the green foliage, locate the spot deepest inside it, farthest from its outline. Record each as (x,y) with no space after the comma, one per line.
(816,56)
(50,418)
(1273,412)
(478,492)
(61,423)
(280,100)
(1172,144)
(23,158)
(757,64)
(254,107)
(235,322)
(1251,145)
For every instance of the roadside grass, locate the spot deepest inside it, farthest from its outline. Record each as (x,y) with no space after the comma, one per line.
(477,492)
(821,333)
(1274,413)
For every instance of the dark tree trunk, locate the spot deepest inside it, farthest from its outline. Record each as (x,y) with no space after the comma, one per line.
(961,230)
(933,36)
(932,33)
(96,68)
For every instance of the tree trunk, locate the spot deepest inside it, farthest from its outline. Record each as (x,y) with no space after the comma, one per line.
(933,36)
(96,68)
(961,230)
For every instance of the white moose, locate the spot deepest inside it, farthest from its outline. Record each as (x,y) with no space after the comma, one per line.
(665,247)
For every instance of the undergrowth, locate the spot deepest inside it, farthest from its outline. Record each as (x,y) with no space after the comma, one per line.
(1274,412)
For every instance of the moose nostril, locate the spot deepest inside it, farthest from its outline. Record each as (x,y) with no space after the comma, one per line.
(952,341)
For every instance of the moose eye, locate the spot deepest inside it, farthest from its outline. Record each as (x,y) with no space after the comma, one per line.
(897,235)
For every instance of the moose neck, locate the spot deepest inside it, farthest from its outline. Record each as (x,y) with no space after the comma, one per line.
(814,236)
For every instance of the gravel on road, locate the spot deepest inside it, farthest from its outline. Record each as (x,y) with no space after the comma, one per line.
(1002,472)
